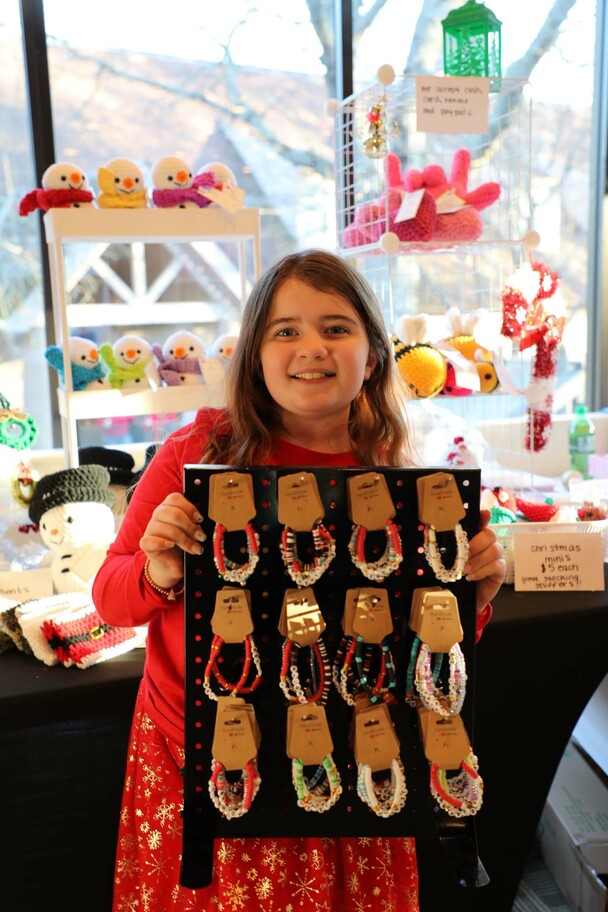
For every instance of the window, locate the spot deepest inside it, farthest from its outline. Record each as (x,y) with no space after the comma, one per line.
(248,87)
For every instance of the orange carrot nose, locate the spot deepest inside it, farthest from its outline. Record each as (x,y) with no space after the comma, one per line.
(128,183)
(228,352)
(181,176)
(93,354)
(54,531)
(131,353)
(180,352)
(75,177)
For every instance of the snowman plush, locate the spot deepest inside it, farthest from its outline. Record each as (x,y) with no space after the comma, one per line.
(87,372)
(180,358)
(130,363)
(64,186)
(73,511)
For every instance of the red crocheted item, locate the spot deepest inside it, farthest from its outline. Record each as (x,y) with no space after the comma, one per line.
(85,639)
(53,199)
(536,512)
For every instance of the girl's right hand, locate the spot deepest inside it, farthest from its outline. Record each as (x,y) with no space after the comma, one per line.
(174,527)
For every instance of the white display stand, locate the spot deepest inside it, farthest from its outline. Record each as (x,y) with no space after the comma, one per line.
(430,277)
(149,226)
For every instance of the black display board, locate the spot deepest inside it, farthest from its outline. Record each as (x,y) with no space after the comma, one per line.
(274,812)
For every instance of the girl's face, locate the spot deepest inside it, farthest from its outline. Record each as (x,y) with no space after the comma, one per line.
(315,355)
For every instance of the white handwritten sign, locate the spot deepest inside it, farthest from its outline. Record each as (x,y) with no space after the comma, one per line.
(452,104)
(558,561)
(21,585)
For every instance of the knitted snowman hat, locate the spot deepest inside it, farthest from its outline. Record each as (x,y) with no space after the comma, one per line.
(119,463)
(84,484)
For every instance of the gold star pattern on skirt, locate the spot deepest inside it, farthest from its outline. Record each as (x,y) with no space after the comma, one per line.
(252,875)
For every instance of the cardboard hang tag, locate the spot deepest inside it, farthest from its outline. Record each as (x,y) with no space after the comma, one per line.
(231,501)
(231,619)
(439,501)
(372,619)
(350,604)
(376,744)
(308,736)
(300,507)
(415,608)
(235,736)
(440,627)
(444,739)
(369,500)
(301,619)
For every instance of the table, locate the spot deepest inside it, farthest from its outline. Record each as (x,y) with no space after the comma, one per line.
(64,732)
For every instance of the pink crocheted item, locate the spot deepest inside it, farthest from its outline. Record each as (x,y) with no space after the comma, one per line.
(464,224)
(371,222)
(176,196)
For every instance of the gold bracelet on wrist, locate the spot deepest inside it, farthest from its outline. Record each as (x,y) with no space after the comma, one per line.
(170,594)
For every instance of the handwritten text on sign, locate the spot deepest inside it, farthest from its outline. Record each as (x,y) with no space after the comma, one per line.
(452,104)
(558,561)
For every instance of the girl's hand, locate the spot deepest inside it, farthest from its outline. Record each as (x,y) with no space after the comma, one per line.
(173,528)
(486,564)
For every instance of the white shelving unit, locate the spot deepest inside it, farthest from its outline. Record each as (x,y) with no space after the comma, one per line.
(149,226)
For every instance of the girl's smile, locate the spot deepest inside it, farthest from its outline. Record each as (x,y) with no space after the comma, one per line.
(315,357)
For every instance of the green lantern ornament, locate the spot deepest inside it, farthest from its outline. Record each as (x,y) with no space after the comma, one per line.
(471,42)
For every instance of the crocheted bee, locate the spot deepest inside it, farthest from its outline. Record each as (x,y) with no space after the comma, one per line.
(462,338)
(421,366)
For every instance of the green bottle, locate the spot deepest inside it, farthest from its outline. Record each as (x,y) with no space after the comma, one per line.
(581,440)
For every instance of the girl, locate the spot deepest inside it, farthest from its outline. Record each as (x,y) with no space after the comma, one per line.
(312,382)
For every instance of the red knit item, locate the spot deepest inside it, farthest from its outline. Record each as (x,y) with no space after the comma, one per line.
(536,512)
(53,199)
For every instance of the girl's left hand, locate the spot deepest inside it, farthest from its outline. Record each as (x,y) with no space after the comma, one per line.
(486,564)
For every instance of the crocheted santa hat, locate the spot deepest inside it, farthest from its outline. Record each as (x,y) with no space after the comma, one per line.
(84,484)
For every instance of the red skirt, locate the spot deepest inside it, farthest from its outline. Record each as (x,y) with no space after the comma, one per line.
(254,875)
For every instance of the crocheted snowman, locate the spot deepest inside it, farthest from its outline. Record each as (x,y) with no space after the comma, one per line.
(215,366)
(73,511)
(121,185)
(130,363)
(180,359)
(175,186)
(87,372)
(64,186)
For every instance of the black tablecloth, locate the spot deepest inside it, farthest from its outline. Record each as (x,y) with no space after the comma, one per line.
(64,732)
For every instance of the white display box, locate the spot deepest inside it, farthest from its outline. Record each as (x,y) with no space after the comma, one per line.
(573,833)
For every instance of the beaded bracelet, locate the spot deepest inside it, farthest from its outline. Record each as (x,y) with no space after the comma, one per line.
(410,689)
(431,552)
(228,569)
(317,795)
(385,565)
(431,696)
(345,669)
(383,798)
(170,594)
(461,795)
(324,552)
(233,799)
(240,687)
(386,670)
(289,680)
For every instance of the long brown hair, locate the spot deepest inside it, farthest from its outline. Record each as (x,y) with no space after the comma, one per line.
(377,424)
